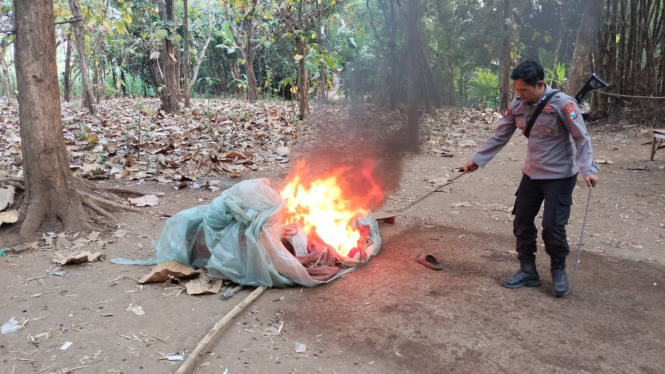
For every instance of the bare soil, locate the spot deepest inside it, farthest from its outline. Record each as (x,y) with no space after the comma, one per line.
(392,315)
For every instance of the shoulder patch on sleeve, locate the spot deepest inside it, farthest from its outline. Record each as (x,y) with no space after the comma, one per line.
(569,109)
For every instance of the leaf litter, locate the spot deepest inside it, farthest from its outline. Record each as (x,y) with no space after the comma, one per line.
(214,138)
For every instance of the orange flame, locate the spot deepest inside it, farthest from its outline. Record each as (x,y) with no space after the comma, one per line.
(327,206)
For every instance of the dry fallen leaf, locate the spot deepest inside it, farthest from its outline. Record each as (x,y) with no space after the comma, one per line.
(437,181)
(10,216)
(147,200)
(6,197)
(129,161)
(120,234)
(460,204)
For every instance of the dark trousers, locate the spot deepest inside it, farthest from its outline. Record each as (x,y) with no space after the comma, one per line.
(558,196)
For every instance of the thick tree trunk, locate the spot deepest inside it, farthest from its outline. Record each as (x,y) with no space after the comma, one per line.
(505,58)
(252,91)
(170,95)
(185,32)
(68,69)
(303,80)
(413,71)
(583,45)
(79,38)
(51,196)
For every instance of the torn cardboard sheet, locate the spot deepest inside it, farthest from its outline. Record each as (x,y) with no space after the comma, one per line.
(167,270)
(78,257)
(204,285)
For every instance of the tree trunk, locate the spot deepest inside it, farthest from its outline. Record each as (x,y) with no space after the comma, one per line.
(131,88)
(324,77)
(96,84)
(185,32)
(199,60)
(51,197)
(412,69)
(448,66)
(4,79)
(79,38)
(394,87)
(557,45)
(158,80)
(252,91)
(68,69)
(609,62)
(123,82)
(505,58)
(583,45)
(170,94)
(431,87)
(114,76)
(622,54)
(303,80)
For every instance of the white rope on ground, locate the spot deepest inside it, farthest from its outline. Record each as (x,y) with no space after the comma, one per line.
(632,96)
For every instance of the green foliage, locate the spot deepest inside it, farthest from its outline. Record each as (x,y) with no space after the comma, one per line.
(363,41)
(558,76)
(484,88)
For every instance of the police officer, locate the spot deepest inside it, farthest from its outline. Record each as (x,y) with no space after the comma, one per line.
(558,147)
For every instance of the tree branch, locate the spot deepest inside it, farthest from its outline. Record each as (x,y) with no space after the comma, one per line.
(69,21)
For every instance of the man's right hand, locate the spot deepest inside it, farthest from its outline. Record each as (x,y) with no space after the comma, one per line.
(470,167)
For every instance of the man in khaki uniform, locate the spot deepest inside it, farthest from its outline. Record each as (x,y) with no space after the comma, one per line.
(558,148)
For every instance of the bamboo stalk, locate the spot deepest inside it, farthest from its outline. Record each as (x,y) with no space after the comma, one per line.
(191,359)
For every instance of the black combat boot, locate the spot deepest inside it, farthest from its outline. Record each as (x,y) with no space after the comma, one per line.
(527,275)
(559,278)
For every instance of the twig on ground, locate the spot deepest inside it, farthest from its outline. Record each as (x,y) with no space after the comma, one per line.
(44,369)
(191,359)
(122,345)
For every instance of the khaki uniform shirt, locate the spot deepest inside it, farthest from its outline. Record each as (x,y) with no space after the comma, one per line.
(559,145)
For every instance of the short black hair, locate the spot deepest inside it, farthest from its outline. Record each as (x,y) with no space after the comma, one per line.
(530,72)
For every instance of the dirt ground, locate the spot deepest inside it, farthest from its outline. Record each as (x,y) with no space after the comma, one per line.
(391,315)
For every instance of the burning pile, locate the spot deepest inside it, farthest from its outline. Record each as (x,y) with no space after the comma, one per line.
(327,209)
(315,230)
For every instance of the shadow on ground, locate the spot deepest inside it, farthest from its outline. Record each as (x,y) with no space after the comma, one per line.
(462,320)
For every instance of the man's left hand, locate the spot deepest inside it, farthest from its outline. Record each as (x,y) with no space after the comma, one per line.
(591,180)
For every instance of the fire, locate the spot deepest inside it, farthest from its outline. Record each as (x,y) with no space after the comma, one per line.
(327,206)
